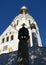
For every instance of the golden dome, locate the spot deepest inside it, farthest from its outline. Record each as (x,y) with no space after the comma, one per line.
(24,9)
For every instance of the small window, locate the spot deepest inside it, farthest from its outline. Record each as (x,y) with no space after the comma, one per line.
(6,33)
(10,32)
(11,37)
(3,40)
(7,39)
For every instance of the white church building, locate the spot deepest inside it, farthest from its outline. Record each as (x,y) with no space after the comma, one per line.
(9,38)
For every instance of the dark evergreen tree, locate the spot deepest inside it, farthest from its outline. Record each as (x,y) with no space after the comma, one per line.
(23,36)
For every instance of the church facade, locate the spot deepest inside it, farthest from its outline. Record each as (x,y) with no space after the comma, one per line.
(9,38)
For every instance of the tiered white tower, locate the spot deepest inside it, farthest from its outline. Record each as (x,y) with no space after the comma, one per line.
(9,39)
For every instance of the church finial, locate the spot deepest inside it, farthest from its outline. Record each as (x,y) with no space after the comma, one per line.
(24,9)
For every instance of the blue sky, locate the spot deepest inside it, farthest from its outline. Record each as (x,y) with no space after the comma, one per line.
(37,8)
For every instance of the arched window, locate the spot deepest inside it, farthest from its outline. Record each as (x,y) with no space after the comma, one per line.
(33,26)
(11,37)
(29,21)
(7,39)
(3,40)
(17,22)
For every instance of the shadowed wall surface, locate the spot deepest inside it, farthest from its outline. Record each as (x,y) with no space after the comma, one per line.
(37,56)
